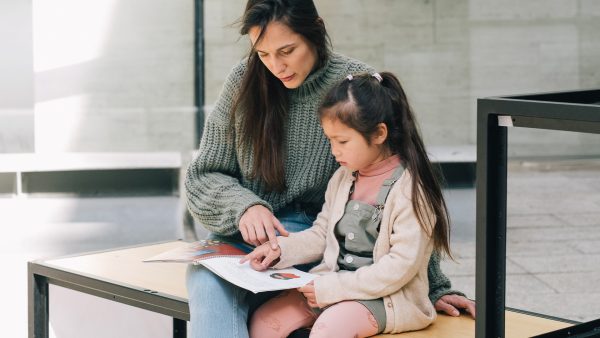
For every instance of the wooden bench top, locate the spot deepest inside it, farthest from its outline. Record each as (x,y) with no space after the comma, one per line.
(125,267)
(518,325)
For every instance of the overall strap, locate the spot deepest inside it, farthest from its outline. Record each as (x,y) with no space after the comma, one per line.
(387,186)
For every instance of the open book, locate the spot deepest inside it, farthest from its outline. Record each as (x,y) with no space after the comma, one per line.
(223,258)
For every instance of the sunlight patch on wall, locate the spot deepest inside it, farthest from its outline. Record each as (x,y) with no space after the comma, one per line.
(68,32)
(57,121)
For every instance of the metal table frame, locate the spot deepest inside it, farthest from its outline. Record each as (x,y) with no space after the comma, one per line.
(40,274)
(577,111)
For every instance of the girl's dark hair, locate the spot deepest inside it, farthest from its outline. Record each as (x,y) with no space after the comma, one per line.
(362,103)
(262,103)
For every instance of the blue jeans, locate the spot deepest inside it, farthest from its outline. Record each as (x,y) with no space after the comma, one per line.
(221,309)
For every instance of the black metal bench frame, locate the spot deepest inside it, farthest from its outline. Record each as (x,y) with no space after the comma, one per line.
(577,111)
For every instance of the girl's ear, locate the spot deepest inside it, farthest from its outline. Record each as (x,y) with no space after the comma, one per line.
(380,135)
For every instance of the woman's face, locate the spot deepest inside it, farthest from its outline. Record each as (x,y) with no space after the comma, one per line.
(288,55)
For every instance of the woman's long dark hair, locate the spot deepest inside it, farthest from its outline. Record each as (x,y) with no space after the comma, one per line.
(262,103)
(362,103)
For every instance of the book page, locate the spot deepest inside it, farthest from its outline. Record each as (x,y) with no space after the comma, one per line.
(245,277)
(223,258)
(204,249)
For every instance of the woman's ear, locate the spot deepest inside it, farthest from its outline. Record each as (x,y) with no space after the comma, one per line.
(380,134)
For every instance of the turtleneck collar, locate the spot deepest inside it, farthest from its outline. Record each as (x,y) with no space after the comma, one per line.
(381,167)
(321,79)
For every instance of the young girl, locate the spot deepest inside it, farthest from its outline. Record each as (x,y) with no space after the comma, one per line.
(384,214)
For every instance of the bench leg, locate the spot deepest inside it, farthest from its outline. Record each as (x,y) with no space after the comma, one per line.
(38,306)
(179,328)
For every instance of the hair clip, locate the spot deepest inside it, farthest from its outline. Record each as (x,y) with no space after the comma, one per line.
(377,76)
(349,77)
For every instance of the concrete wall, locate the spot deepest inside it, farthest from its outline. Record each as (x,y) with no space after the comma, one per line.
(105,75)
(113,75)
(449,53)
(16,77)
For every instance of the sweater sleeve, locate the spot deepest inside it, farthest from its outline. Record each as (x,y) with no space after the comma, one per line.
(215,197)
(439,284)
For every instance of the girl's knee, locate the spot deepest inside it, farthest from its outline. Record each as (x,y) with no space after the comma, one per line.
(323,329)
(280,316)
(345,319)
(262,325)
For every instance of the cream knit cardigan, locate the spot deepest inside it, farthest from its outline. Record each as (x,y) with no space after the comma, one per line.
(401,255)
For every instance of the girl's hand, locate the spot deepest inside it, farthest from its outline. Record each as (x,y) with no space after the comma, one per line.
(308,291)
(258,225)
(262,257)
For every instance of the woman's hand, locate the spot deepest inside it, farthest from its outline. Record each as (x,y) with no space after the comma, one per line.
(308,291)
(451,304)
(258,225)
(262,257)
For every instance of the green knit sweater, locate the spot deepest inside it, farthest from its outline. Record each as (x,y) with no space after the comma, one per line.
(217,184)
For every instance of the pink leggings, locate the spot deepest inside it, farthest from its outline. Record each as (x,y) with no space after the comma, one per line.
(288,311)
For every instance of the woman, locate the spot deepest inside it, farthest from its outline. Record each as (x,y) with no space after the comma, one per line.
(264,162)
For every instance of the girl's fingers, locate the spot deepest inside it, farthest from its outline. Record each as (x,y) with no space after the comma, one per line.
(310,288)
(270,257)
(261,258)
(310,299)
(250,256)
(255,258)
(266,262)
(256,265)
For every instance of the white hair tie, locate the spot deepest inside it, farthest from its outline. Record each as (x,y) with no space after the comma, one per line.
(377,76)
(349,77)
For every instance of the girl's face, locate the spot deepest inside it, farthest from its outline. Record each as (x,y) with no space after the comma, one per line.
(288,55)
(350,148)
